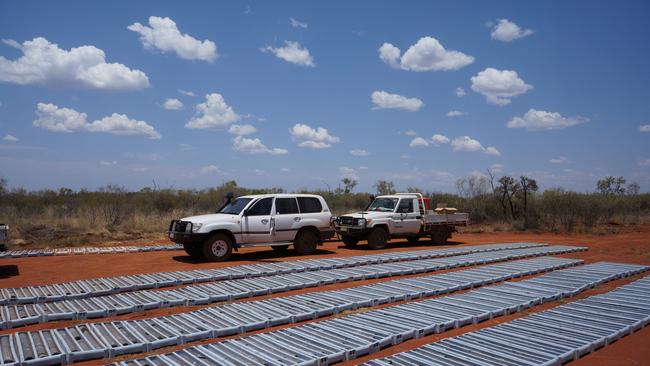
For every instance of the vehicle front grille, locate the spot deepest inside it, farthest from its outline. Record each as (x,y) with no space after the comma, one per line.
(181,226)
(346,220)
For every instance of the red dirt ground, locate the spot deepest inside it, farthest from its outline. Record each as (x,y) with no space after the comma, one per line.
(630,246)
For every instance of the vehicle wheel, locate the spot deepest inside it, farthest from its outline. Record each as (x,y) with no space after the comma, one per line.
(193,250)
(439,236)
(413,239)
(349,241)
(217,248)
(306,242)
(378,238)
(280,248)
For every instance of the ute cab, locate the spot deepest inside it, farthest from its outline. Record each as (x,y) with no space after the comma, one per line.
(402,215)
(275,220)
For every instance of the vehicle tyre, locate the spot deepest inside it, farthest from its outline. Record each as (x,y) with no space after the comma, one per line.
(439,236)
(306,242)
(349,241)
(280,248)
(217,248)
(413,239)
(378,238)
(193,250)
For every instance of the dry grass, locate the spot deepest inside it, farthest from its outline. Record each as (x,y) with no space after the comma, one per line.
(68,218)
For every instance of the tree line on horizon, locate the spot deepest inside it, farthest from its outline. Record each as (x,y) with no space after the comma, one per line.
(511,203)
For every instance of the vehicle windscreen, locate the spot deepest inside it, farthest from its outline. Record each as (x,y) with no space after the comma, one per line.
(235,207)
(383,204)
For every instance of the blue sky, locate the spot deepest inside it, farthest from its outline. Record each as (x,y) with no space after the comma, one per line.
(557,90)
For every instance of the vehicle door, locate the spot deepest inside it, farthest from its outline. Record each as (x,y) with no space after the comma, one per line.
(287,218)
(407,218)
(312,213)
(257,223)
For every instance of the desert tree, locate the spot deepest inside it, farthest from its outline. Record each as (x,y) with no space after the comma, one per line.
(474,191)
(385,187)
(348,185)
(498,194)
(114,207)
(3,185)
(527,185)
(411,189)
(610,186)
(633,188)
(508,189)
(472,186)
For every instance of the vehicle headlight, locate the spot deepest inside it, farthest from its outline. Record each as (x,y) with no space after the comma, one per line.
(196,226)
(359,222)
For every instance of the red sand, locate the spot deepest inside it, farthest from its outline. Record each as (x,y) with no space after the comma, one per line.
(629,247)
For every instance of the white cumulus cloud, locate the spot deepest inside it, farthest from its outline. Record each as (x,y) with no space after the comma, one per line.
(426,55)
(186,93)
(162,34)
(120,124)
(559,160)
(507,31)
(314,138)
(385,100)
(499,86)
(644,128)
(347,172)
(173,104)
(440,139)
(298,24)
(314,144)
(292,52)
(359,152)
(213,113)
(10,138)
(108,163)
(455,113)
(55,119)
(497,168)
(460,92)
(44,63)
(419,142)
(535,120)
(410,133)
(241,130)
(255,146)
(466,143)
(212,169)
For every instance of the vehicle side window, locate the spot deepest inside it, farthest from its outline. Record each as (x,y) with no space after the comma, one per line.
(284,206)
(262,207)
(405,206)
(309,205)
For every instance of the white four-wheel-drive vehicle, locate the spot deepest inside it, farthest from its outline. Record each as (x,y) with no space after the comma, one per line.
(401,215)
(276,220)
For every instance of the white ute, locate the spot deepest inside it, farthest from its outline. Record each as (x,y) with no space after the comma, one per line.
(276,220)
(401,215)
